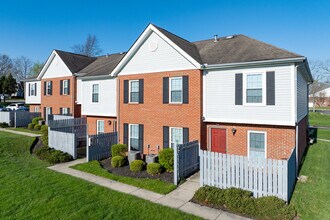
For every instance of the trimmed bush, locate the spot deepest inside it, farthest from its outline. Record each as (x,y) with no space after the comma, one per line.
(31,126)
(118,161)
(4,125)
(119,150)
(36,120)
(166,159)
(241,202)
(37,127)
(44,134)
(137,165)
(42,152)
(52,156)
(154,168)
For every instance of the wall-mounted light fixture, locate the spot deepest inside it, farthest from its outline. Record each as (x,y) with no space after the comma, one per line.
(233,130)
(109,122)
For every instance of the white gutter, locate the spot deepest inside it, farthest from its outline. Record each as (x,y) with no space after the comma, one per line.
(82,77)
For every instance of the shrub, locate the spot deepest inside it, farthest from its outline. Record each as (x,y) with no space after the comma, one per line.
(36,120)
(137,165)
(119,150)
(31,126)
(44,134)
(166,159)
(4,125)
(210,195)
(42,152)
(52,156)
(37,127)
(118,161)
(154,168)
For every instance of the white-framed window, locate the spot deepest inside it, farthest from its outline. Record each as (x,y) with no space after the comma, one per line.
(257,144)
(254,87)
(176,136)
(33,89)
(100,126)
(65,87)
(133,137)
(48,111)
(134,91)
(36,108)
(65,111)
(95,93)
(49,87)
(176,90)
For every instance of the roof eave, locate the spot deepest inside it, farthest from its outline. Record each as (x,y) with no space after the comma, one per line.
(95,77)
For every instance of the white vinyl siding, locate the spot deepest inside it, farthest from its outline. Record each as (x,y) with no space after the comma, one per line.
(55,67)
(176,136)
(33,99)
(176,90)
(65,87)
(164,58)
(95,93)
(257,144)
(100,126)
(219,98)
(134,137)
(107,105)
(134,91)
(302,105)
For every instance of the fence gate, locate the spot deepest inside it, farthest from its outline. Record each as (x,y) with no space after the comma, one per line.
(99,145)
(186,160)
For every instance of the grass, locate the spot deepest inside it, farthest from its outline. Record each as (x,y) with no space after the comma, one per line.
(31,191)
(154,185)
(25,130)
(318,119)
(311,199)
(323,134)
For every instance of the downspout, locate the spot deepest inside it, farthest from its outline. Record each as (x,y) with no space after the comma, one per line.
(118,110)
(296,116)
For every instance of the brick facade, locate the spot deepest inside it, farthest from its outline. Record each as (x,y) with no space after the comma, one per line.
(153,114)
(280,139)
(92,124)
(57,101)
(33,106)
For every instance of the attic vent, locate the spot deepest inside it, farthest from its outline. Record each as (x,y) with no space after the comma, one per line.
(230,37)
(215,38)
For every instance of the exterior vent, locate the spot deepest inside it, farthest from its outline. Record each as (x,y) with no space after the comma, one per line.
(215,38)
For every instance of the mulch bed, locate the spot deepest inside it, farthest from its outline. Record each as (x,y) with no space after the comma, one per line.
(125,171)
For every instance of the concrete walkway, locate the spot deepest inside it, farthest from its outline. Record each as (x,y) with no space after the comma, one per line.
(178,199)
(20,132)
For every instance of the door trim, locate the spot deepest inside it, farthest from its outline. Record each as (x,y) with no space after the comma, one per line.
(209,136)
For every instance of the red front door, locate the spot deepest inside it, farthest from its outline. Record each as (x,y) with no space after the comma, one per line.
(218,140)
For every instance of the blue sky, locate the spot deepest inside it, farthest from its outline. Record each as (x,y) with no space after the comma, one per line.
(33,28)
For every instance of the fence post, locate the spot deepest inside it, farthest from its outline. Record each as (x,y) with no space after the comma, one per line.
(175,164)
(87,147)
(201,167)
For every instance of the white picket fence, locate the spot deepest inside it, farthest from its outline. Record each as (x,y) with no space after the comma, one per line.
(263,177)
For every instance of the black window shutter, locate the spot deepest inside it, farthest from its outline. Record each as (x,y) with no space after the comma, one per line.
(61,87)
(185,135)
(126,134)
(125,91)
(45,110)
(165,90)
(51,110)
(238,89)
(141,87)
(61,111)
(51,88)
(29,89)
(45,88)
(35,89)
(141,137)
(166,136)
(270,87)
(68,87)
(185,87)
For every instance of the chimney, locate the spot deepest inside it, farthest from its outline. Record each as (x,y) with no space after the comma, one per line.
(215,38)
(106,55)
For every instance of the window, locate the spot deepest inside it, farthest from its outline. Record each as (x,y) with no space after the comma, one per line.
(65,111)
(176,90)
(65,87)
(49,87)
(48,111)
(134,137)
(33,89)
(95,93)
(254,88)
(176,136)
(100,126)
(134,91)
(36,108)
(257,144)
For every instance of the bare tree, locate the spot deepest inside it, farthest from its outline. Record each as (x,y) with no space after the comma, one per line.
(89,48)
(325,67)
(22,68)
(317,69)
(6,65)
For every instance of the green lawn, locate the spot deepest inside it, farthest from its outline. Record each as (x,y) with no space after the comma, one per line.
(25,130)
(149,184)
(323,133)
(319,119)
(28,190)
(311,199)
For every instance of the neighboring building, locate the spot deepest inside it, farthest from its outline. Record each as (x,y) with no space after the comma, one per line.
(234,94)
(59,84)
(97,94)
(322,95)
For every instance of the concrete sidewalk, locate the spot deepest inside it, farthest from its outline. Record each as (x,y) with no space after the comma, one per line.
(178,199)
(20,132)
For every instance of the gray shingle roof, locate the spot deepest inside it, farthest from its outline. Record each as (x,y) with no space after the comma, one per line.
(102,65)
(75,62)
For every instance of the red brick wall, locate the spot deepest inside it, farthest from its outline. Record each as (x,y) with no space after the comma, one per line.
(280,139)
(92,124)
(32,108)
(153,114)
(302,137)
(57,101)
